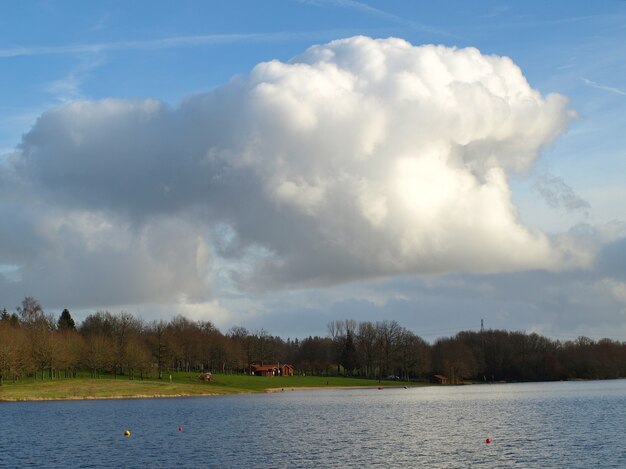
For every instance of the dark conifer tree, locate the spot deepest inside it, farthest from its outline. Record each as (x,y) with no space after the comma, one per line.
(66,321)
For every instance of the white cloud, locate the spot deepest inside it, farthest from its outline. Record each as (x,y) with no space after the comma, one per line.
(359,158)
(94,260)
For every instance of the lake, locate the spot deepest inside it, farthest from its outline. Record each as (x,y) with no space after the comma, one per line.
(560,424)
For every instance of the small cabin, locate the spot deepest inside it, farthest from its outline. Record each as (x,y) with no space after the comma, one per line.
(272,370)
(440,379)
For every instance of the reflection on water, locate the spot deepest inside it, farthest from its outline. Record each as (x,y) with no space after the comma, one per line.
(570,424)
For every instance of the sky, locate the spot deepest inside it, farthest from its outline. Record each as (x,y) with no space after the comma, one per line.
(279,165)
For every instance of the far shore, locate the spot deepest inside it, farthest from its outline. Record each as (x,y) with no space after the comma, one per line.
(317,388)
(181,385)
(93,398)
(187,385)
(162,396)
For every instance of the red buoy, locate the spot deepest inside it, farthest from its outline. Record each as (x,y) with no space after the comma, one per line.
(488,440)
(180,429)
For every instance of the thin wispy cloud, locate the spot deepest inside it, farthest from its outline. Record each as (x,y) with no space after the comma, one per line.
(164,43)
(526,21)
(68,88)
(369,10)
(598,86)
(100,24)
(498,11)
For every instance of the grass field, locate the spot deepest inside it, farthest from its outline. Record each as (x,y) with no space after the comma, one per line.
(181,384)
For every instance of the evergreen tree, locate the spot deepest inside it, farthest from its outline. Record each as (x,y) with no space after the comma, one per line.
(66,321)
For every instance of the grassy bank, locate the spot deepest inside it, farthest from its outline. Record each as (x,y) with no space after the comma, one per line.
(181,384)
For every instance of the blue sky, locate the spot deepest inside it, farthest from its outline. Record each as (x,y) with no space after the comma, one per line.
(87,72)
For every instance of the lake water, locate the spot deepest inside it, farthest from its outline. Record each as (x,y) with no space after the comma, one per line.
(566,424)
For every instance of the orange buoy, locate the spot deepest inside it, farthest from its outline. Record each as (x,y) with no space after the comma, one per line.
(488,440)
(126,433)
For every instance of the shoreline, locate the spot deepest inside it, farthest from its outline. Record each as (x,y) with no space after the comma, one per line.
(114,397)
(183,384)
(207,394)
(315,388)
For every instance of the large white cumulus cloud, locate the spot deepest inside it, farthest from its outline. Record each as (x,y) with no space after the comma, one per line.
(358,158)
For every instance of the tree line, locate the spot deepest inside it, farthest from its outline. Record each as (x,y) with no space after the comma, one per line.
(38,345)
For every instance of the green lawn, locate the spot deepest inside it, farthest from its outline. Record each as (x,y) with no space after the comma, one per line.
(181,384)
